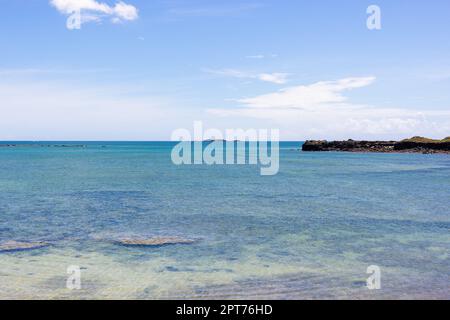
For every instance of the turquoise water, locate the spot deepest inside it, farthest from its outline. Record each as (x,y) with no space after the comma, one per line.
(309,232)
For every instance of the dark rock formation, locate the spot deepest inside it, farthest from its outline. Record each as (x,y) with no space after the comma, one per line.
(349,145)
(423,144)
(413,145)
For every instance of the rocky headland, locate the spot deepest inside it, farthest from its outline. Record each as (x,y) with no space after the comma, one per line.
(413,145)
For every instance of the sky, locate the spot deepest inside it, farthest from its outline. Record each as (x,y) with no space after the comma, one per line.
(140,69)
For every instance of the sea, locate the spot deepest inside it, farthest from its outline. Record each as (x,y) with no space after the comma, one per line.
(328,225)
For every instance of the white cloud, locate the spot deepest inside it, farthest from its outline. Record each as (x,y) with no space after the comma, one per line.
(126,11)
(276,77)
(322,111)
(92,10)
(308,96)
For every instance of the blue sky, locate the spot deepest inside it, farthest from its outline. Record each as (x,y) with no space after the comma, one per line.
(309,68)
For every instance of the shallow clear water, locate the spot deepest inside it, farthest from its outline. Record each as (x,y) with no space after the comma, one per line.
(309,232)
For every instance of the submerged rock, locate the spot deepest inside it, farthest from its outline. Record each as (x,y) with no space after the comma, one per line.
(20,246)
(154,242)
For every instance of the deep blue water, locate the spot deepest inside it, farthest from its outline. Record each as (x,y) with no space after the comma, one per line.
(309,231)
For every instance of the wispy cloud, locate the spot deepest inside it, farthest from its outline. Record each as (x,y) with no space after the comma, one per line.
(276,77)
(61,110)
(309,96)
(219,10)
(256,56)
(95,11)
(261,56)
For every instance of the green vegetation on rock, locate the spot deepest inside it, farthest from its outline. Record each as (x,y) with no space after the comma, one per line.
(426,140)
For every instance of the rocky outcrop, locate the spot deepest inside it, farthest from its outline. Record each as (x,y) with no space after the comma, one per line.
(349,145)
(413,145)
